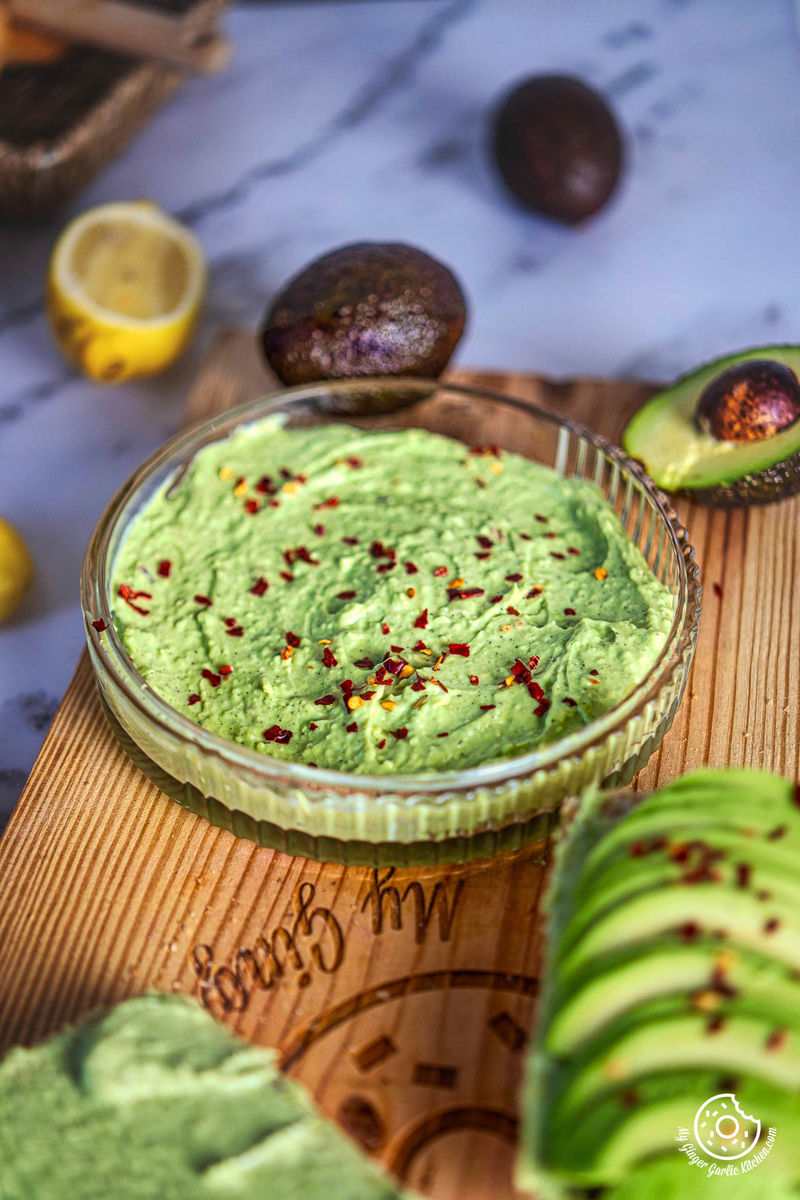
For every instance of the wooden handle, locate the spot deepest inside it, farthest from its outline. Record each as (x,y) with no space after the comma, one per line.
(129,29)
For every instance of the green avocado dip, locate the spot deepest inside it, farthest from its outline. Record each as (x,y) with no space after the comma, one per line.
(153,1100)
(383,602)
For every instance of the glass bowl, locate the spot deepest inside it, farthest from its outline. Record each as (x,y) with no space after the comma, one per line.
(401,819)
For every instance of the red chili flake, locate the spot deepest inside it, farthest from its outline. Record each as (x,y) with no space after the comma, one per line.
(345,595)
(486,707)
(319,530)
(99,626)
(129,595)
(569,612)
(331,502)
(213,679)
(465,593)
(541,518)
(514,577)
(535,691)
(235,631)
(383,567)
(399,734)
(266,486)
(313,725)
(422,620)
(365,664)
(778,832)
(354,461)
(328,657)
(347,686)
(164,568)
(350,541)
(772,925)
(688,931)
(352,727)
(743,873)
(287,576)
(514,611)
(717,590)
(526,537)
(390,665)
(381,743)
(474,680)
(285,473)
(541,708)
(533,661)
(259,587)
(715,1024)
(418,686)
(495,599)
(274,503)
(569,702)
(326,700)
(251,506)
(573,550)
(229,621)
(443,735)
(420,645)
(238,482)
(555,554)
(776,1040)
(385,629)
(397,649)
(367,695)
(193,699)
(411,568)
(594,671)
(225,669)
(459,648)
(485,542)
(276,734)
(484,554)
(304,555)
(292,639)
(535,591)
(439,571)
(204,600)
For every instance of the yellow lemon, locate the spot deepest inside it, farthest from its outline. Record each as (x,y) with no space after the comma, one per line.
(124,289)
(16,569)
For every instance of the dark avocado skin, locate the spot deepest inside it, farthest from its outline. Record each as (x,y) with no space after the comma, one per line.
(768,486)
(365,310)
(558,147)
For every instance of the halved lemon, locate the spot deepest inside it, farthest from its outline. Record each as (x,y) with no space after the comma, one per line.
(16,569)
(124,289)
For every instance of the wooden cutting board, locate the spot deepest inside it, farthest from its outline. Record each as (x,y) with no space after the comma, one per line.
(402,998)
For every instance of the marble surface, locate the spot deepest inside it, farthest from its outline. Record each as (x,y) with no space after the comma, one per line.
(347,121)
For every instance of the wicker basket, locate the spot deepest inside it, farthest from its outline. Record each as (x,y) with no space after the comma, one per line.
(43,171)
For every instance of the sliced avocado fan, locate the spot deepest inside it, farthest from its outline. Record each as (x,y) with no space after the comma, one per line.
(680,456)
(154,1100)
(672,977)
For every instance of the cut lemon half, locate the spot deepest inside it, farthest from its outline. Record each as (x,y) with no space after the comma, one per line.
(124,289)
(16,569)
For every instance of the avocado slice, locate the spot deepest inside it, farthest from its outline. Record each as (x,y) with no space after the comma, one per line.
(681,457)
(154,1099)
(672,976)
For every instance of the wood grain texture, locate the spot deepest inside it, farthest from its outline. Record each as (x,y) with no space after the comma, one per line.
(401,998)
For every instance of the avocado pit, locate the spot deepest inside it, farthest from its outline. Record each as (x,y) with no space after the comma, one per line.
(750,401)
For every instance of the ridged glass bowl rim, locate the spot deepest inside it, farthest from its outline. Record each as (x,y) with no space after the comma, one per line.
(419,787)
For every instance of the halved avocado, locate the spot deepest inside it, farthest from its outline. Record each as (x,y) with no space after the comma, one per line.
(670,434)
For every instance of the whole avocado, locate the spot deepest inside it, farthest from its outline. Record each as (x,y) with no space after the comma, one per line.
(364,310)
(558,147)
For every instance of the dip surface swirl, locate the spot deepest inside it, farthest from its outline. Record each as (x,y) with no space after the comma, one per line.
(383,602)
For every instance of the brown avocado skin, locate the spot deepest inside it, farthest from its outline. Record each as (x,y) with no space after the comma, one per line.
(365,310)
(558,147)
(766,487)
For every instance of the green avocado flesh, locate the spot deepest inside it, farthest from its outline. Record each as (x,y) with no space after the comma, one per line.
(679,457)
(672,977)
(384,602)
(155,1101)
